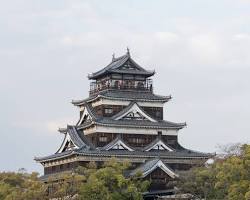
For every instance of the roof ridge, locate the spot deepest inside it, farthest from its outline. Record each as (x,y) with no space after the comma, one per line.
(109,66)
(119,58)
(91,111)
(150,165)
(116,63)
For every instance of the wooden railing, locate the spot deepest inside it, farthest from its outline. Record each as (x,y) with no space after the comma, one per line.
(122,85)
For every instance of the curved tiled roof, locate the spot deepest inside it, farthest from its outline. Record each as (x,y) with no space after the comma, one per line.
(55,156)
(140,123)
(78,139)
(74,136)
(149,166)
(110,121)
(116,63)
(124,95)
(189,154)
(91,111)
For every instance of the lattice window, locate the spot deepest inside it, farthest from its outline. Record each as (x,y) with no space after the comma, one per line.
(108,110)
(103,139)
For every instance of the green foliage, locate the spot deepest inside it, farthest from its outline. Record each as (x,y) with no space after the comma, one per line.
(106,183)
(109,183)
(66,185)
(226,178)
(17,186)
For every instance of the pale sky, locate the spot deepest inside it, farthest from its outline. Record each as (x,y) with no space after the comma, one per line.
(200,50)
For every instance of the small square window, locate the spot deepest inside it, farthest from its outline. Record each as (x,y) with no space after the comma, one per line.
(103,139)
(108,110)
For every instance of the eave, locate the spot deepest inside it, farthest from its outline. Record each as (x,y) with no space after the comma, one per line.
(162,99)
(150,126)
(116,63)
(124,154)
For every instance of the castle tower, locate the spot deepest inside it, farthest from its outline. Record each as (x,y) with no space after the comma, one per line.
(123,118)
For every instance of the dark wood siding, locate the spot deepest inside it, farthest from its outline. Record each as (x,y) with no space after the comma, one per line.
(101,110)
(159,180)
(155,112)
(134,140)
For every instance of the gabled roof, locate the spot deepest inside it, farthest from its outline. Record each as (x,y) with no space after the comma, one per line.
(133,108)
(121,95)
(117,144)
(87,115)
(157,144)
(149,166)
(73,138)
(109,121)
(117,66)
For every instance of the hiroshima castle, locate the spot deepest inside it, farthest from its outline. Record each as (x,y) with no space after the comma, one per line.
(123,118)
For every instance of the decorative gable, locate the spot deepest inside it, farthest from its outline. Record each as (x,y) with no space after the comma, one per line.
(160,145)
(129,66)
(133,112)
(120,145)
(124,64)
(117,144)
(72,140)
(67,144)
(135,115)
(151,165)
(85,116)
(161,165)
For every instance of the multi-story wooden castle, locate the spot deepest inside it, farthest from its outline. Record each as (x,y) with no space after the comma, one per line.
(123,118)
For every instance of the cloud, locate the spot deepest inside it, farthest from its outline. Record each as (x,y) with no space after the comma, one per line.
(200,53)
(46,127)
(52,126)
(205,48)
(166,37)
(242,37)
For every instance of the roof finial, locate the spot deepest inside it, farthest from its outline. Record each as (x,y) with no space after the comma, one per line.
(113,56)
(128,53)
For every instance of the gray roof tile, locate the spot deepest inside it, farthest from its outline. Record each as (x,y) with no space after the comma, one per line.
(140,123)
(110,121)
(114,66)
(124,95)
(137,153)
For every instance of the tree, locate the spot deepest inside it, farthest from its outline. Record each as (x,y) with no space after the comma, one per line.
(227,178)
(66,185)
(19,186)
(109,183)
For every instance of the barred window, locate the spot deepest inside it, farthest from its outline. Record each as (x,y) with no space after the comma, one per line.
(108,111)
(137,140)
(103,139)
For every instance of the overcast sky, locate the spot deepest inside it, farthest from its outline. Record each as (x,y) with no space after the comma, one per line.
(199,49)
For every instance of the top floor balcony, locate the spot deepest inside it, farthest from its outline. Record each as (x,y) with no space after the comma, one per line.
(138,85)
